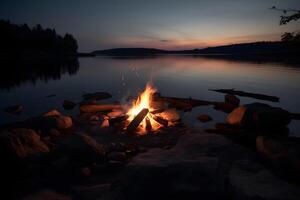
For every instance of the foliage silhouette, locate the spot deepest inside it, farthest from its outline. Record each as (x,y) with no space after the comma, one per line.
(20,41)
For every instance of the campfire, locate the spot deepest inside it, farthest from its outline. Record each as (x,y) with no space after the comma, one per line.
(146,115)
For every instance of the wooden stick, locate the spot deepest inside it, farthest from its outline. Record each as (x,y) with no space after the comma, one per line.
(248,94)
(157,111)
(186,101)
(148,124)
(89,108)
(137,120)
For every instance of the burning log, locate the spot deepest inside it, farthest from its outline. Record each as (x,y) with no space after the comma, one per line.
(148,124)
(88,108)
(157,111)
(248,94)
(116,120)
(160,120)
(137,120)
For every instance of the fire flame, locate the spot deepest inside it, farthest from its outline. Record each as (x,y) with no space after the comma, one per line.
(144,101)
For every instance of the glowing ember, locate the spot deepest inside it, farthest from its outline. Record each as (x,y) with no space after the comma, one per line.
(144,101)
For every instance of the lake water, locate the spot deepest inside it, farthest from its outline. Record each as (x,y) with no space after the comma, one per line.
(178,76)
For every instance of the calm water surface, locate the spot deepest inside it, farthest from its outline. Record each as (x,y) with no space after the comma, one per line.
(180,76)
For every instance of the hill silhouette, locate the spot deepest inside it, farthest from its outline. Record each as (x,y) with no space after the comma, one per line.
(256,48)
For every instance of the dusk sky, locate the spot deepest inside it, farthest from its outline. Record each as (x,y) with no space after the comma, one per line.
(167,24)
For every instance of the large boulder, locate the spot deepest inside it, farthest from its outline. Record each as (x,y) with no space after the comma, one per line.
(50,120)
(81,147)
(22,142)
(184,172)
(283,154)
(202,166)
(259,115)
(250,180)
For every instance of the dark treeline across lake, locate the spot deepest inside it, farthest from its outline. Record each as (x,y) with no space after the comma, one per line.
(179,76)
(24,42)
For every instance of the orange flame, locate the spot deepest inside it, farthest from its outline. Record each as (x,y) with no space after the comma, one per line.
(144,101)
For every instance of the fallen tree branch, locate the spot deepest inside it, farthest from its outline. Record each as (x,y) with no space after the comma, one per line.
(248,94)
(182,103)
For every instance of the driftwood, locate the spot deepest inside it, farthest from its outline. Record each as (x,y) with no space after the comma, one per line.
(137,120)
(248,94)
(182,103)
(87,108)
(148,124)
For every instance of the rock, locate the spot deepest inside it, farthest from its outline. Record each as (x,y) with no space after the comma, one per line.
(47,195)
(258,116)
(22,142)
(259,183)
(54,133)
(105,123)
(81,147)
(236,116)
(232,99)
(48,121)
(117,156)
(63,122)
(203,165)
(225,107)
(16,109)
(94,118)
(52,113)
(204,118)
(96,96)
(182,172)
(86,171)
(91,192)
(68,105)
(283,154)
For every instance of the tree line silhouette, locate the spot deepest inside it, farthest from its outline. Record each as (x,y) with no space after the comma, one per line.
(285,19)
(21,40)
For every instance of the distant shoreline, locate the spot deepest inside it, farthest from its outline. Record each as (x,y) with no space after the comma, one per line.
(255,48)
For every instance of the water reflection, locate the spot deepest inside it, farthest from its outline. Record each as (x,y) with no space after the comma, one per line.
(179,76)
(17,73)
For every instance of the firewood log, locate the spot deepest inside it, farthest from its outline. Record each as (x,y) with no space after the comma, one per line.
(160,120)
(137,120)
(148,124)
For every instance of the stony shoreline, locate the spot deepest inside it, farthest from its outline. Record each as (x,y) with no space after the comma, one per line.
(89,156)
